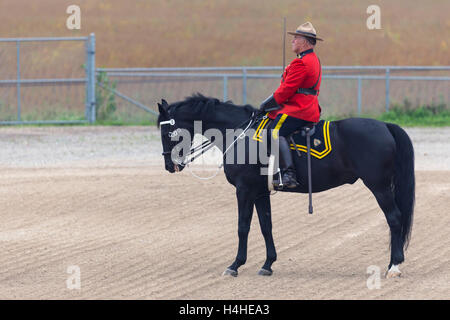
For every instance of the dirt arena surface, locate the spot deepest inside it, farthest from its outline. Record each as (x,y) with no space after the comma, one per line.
(98,198)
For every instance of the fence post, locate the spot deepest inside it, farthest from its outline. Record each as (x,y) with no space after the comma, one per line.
(225,88)
(90,72)
(87,89)
(387,88)
(359,95)
(18,83)
(244,86)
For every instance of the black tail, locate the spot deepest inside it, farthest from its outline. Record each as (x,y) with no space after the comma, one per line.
(404,180)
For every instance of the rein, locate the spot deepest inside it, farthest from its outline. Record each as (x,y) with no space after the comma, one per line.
(241,136)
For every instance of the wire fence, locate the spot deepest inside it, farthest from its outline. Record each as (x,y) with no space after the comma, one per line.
(47,80)
(55,80)
(345,90)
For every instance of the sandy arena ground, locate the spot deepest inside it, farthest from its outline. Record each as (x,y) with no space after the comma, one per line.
(99,199)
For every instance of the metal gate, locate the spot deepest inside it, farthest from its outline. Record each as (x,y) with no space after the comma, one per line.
(44,96)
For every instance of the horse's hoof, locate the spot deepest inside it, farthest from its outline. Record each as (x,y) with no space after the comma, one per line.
(393,272)
(264,272)
(230,272)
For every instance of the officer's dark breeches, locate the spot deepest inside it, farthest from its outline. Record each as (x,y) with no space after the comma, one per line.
(286,161)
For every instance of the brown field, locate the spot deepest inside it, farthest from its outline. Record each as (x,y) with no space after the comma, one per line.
(99,198)
(177,33)
(161,33)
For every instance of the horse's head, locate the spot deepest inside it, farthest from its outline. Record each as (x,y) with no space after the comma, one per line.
(180,121)
(174,152)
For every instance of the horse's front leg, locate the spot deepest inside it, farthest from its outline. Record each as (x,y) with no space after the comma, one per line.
(262,204)
(245,209)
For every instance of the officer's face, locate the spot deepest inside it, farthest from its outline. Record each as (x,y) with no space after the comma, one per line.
(298,43)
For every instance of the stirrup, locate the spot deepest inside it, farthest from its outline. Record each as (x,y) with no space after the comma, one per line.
(295,184)
(290,177)
(278,183)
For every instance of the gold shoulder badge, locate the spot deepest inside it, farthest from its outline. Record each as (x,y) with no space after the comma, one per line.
(317,142)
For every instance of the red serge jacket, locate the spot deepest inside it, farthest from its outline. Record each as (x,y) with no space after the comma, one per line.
(302,72)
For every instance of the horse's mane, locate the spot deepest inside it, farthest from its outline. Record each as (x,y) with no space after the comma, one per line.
(200,104)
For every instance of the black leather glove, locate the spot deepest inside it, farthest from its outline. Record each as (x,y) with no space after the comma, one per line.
(269,105)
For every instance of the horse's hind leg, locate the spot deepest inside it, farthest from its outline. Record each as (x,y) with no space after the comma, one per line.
(386,201)
(265,221)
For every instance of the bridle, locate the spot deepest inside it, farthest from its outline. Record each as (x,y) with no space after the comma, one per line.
(205,145)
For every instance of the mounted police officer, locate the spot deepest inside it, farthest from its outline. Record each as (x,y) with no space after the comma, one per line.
(295,103)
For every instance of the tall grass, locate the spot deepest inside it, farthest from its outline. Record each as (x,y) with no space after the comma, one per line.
(177,33)
(162,33)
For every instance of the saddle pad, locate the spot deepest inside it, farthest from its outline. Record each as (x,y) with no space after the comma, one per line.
(320,140)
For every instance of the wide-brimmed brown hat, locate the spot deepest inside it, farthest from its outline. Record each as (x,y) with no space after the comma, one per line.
(306,30)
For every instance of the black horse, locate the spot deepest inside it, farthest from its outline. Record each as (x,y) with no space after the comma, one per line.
(380,154)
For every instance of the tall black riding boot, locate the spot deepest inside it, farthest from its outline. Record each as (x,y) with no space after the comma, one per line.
(289,178)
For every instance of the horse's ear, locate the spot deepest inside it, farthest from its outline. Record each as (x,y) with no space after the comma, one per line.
(163,107)
(160,108)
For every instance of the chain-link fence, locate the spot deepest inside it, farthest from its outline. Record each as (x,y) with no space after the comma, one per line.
(345,90)
(54,80)
(47,80)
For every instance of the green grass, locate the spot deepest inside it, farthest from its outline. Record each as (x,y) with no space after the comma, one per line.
(424,116)
(430,115)
(150,121)
(116,119)
(433,115)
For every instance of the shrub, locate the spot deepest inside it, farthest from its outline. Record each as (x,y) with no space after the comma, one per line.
(106,105)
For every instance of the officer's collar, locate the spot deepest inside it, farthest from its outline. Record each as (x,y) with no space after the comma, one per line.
(304,53)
